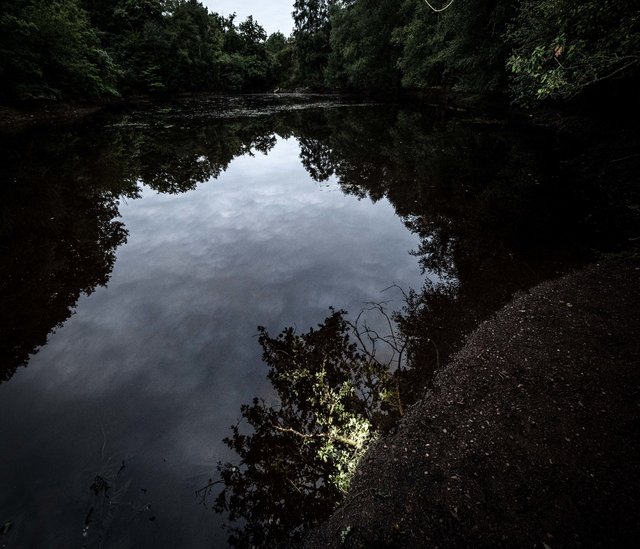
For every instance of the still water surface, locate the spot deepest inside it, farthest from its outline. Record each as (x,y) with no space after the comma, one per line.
(141,384)
(141,250)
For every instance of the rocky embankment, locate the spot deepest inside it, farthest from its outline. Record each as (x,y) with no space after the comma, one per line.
(530,437)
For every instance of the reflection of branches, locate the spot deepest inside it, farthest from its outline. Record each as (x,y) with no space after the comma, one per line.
(203,493)
(316,158)
(369,339)
(58,239)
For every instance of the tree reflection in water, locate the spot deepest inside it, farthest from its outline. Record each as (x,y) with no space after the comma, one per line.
(303,448)
(58,236)
(59,228)
(496,210)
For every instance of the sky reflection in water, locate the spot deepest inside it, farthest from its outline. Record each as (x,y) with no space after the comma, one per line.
(152,369)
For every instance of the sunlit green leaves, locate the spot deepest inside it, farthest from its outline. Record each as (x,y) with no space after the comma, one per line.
(562,47)
(299,452)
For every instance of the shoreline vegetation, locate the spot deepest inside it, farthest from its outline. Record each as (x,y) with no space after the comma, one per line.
(528,53)
(20,116)
(486,108)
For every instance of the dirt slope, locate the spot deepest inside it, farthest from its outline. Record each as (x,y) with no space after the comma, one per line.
(530,437)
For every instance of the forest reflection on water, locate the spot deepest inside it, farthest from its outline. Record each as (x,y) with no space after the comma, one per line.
(489,210)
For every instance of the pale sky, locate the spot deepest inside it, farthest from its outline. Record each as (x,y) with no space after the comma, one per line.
(273,15)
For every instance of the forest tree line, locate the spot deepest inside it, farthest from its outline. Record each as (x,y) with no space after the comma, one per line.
(532,50)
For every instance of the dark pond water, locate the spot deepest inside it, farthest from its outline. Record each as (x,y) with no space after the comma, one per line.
(141,250)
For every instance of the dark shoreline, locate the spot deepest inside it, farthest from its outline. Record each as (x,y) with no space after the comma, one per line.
(22,116)
(572,117)
(15,119)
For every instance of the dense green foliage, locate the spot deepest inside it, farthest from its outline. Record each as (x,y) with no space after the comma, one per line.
(562,47)
(311,40)
(363,52)
(462,46)
(531,50)
(70,49)
(50,49)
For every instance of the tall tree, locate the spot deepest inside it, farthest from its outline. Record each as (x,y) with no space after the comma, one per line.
(280,50)
(363,53)
(194,44)
(244,60)
(134,33)
(311,38)
(462,46)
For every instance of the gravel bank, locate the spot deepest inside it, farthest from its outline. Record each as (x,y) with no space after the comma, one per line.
(529,438)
